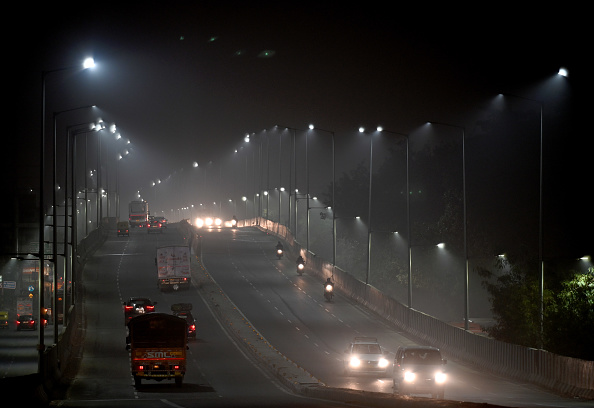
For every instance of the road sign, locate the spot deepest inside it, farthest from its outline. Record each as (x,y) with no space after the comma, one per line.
(8,285)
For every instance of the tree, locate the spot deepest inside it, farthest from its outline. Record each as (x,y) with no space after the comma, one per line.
(515,302)
(569,319)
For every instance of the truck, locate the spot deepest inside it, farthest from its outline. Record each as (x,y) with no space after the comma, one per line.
(138,214)
(173,267)
(157,343)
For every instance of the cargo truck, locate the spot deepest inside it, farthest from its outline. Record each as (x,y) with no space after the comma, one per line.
(173,268)
(157,343)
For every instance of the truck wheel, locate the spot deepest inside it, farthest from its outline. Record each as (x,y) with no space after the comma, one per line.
(178,381)
(137,381)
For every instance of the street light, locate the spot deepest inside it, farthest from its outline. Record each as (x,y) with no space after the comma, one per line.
(88,63)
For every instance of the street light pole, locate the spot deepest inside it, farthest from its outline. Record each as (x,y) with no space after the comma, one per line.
(362,130)
(88,63)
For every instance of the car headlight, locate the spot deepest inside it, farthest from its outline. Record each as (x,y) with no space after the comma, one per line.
(218,222)
(199,222)
(440,377)
(354,362)
(383,363)
(208,221)
(409,376)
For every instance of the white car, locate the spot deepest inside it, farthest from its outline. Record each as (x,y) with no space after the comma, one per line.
(364,355)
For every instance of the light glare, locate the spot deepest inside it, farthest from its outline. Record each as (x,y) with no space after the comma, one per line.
(563,72)
(88,63)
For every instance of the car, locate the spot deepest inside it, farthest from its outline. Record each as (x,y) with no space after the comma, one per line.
(183,310)
(25,322)
(187,316)
(162,220)
(364,355)
(154,226)
(419,370)
(136,306)
(123,228)
(4,319)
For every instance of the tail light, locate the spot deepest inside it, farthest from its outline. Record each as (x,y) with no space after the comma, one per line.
(128,308)
(150,308)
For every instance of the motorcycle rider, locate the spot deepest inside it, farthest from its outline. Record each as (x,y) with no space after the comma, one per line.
(328,292)
(300,260)
(279,246)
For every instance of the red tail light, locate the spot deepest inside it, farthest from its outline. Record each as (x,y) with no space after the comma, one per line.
(128,308)
(149,308)
(141,367)
(176,367)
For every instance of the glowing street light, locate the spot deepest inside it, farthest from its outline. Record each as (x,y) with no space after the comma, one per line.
(41,280)
(563,72)
(89,63)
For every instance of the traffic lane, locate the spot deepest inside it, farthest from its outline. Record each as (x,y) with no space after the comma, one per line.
(216,367)
(290,310)
(303,328)
(250,283)
(104,370)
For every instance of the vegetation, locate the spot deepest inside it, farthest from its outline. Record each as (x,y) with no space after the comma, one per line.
(568,315)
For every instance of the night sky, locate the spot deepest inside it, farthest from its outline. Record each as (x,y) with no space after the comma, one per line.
(185,81)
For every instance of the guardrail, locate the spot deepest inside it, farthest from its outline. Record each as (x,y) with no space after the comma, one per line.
(565,375)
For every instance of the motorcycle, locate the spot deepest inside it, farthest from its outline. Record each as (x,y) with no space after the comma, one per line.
(328,291)
(279,253)
(300,268)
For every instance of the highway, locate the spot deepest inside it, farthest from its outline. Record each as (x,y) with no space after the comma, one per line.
(288,310)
